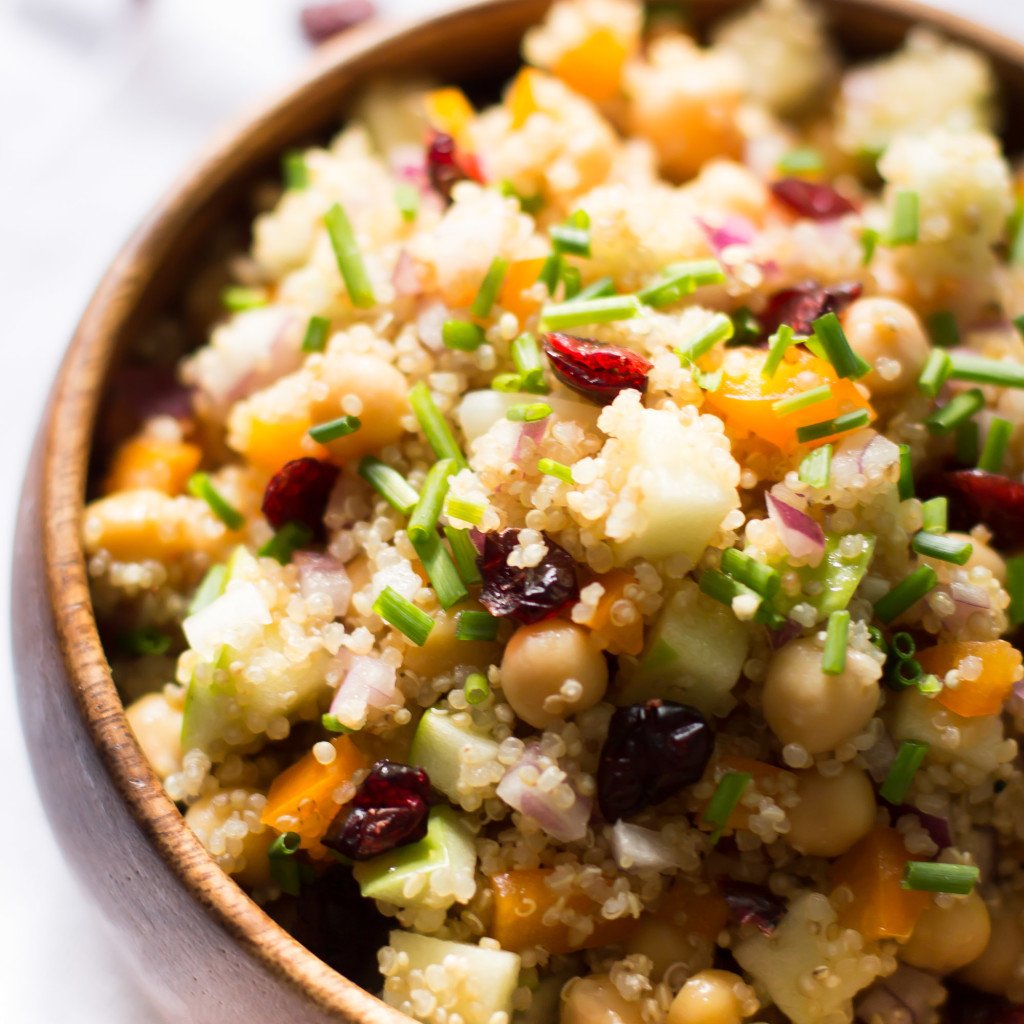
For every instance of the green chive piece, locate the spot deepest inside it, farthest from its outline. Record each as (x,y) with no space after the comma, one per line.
(1015,588)
(295,170)
(759,577)
(725,589)
(903,645)
(724,800)
(509,383)
(237,299)
(529,362)
(209,589)
(943,329)
(333,429)
(869,239)
(877,637)
(968,443)
(945,549)
(935,515)
(929,685)
(679,279)
(334,724)
(597,289)
(909,758)
(777,345)
(464,511)
(462,335)
(1015,229)
(435,427)
(746,328)
(201,486)
(829,332)
(838,425)
(906,593)
(794,403)
(803,160)
(816,467)
(833,660)
(463,554)
(476,625)
(528,204)
(935,373)
(551,272)
(956,411)
(147,640)
(423,521)
(572,282)
(407,198)
(286,541)
(441,570)
(389,484)
(719,328)
(906,482)
(489,288)
(905,214)
(315,338)
(710,381)
(476,688)
(996,441)
(573,236)
(549,467)
(401,613)
(350,259)
(529,412)
(980,370)
(284,869)
(925,876)
(1018,322)
(607,309)
(904,673)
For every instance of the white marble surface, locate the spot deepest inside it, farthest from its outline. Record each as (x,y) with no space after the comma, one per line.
(101,104)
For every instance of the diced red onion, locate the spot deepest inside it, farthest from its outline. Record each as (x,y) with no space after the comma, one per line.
(801,536)
(404,276)
(789,630)
(907,995)
(324,574)
(641,849)
(567,825)
(151,391)
(530,436)
(937,828)
(322,21)
(732,230)
(408,164)
(1016,702)
(970,595)
(369,681)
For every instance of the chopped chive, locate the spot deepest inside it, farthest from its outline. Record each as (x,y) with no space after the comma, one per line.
(935,515)
(597,289)
(441,571)
(573,236)
(334,724)
(980,370)
(237,299)
(210,588)
(401,613)
(996,441)
(935,373)
(528,412)
(903,645)
(679,279)
(945,549)
(903,673)
(489,288)
(925,876)
(423,521)
(476,625)
(333,429)
(724,800)
(710,381)
(407,198)
(1015,588)
(777,345)
(968,443)
(906,593)
(877,637)
(816,467)
(837,425)
(869,239)
(509,383)
(529,362)
(803,160)
(528,204)
(295,170)
(829,332)
(929,685)
(462,335)
(719,328)
(315,338)
(908,759)
(147,640)
(604,310)
(759,577)
(1015,228)
(572,282)
(551,272)
(464,511)
(746,328)
(349,258)
(1018,322)
(905,214)
(201,486)
(956,411)
(833,659)
(905,486)
(943,329)
(794,403)
(725,589)
(284,869)
(463,554)
(476,688)
(439,435)
(549,467)
(389,484)
(286,541)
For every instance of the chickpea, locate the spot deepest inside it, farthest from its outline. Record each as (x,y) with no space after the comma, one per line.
(540,660)
(157,727)
(833,813)
(997,967)
(886,329)
(666,944)
(804,705)
(595,1000)
(712,997)
(946,938)
(983,554)
(442,652)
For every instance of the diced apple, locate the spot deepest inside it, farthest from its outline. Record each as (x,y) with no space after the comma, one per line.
(441,747)
(480,410)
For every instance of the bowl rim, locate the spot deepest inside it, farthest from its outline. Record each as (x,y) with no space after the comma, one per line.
(68,425)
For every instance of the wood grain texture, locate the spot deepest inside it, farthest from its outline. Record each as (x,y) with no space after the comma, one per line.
(205,952)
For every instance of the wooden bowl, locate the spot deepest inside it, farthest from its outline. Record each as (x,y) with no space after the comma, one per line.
(204,951)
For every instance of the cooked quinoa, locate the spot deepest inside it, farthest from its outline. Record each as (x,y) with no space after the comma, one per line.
(583,550)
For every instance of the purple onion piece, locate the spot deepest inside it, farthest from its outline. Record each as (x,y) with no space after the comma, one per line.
(753,904)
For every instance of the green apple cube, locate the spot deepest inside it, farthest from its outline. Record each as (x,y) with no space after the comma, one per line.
(440,747)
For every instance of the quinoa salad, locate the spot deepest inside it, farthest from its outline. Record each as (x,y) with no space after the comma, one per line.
(565,563)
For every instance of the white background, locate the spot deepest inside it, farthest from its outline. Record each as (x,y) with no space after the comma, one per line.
(101,104)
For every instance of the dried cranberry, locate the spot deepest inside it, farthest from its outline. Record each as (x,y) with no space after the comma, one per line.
(812,199)
(652,751)
(979,497)
(298,492)
(389,810)
(753,904)
(802,304)
(446,166)
(321,21)
(595,371)
(530,594)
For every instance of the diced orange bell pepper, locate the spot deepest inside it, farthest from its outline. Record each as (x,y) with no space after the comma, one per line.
(985,695)
(522,274)
(594,67)
(449,111)
(522,898)
(744,400)
(301,799)
(149,463)
(627,639)
(873,870)
(697,913)
(521,98)
(272,443)
(766,778)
